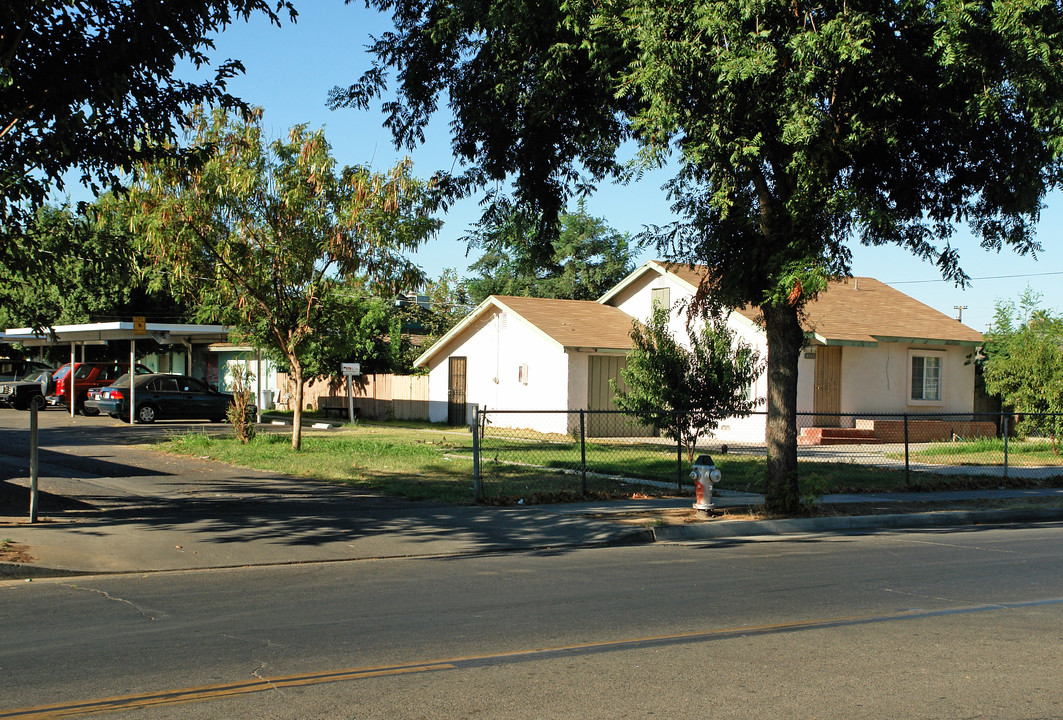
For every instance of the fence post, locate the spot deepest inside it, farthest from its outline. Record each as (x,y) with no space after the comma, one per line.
(1004,425)
(679,457)
(907,467)
(477,483)
(583,452)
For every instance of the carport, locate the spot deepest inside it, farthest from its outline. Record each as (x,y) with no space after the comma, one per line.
(186,335)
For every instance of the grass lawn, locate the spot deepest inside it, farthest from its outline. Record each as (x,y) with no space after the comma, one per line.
(434,462)
(988,451)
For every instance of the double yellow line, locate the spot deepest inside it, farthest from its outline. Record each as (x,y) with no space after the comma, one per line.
(211,692)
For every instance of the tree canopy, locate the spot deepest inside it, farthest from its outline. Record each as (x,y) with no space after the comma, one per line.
(264,236)
(796,128)
(585,258)
(90,87)
(1024,363)
(82,270)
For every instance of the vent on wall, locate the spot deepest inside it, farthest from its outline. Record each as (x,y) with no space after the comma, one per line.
(522,374)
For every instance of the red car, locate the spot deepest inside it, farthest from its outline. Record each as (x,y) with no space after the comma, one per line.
(87,376)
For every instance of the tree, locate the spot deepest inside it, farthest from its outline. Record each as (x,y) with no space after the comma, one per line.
(586,258)
(1024,363)
(262,236)
(82,271)
(90,87)
(687,392)
(795,127)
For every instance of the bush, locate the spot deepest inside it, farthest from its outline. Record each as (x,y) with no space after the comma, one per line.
(241,413)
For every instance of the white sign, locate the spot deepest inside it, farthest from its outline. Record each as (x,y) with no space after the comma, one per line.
(351,369)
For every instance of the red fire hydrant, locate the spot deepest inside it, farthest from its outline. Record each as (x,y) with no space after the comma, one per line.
(705,475)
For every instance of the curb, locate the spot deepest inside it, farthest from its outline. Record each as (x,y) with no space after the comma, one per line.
(851,523)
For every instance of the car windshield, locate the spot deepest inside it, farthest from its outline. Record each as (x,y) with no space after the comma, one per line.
(62,372)
(122,380)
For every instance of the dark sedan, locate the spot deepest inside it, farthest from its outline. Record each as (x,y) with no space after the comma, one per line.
(163,397)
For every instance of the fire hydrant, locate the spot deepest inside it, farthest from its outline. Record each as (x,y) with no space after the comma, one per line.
(705,474)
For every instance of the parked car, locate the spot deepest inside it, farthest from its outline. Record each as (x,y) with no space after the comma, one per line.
(86,377)
(19,369)
(162,396)
(32,388)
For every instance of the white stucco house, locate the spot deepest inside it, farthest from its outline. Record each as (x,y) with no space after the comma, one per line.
(869,349)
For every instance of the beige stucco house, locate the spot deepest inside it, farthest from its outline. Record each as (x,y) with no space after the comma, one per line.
(870,349)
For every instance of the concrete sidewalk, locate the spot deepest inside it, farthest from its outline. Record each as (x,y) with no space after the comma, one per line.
(180,514)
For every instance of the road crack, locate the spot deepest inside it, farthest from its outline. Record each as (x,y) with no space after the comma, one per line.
(151,615)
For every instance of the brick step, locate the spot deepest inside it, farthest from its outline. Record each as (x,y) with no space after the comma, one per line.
(835,436)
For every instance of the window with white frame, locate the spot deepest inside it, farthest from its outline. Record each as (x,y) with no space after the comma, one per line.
(926,376)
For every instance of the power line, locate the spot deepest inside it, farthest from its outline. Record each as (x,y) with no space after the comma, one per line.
(984,277)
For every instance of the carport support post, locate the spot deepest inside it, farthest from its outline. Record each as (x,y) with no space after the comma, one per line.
(258,387)
(71,383)
(1004,425)
(33,460)
(132,377)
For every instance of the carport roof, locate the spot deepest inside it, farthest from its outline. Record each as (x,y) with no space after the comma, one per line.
(95,332)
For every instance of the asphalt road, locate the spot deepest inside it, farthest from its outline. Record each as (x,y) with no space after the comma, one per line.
(945,624)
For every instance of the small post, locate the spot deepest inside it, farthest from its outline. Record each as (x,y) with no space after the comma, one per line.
(33,460)
(907,467)
(350,398)
(477,483)
(583,452)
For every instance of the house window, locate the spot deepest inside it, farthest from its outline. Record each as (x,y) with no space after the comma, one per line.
(660,297)
(927,376)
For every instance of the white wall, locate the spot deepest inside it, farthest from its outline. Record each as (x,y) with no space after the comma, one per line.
(497,346)
(876,379)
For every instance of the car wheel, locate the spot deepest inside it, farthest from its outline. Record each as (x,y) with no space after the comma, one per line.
(116,416)
(146,414)
(89,412)
(39,402)
(19,404)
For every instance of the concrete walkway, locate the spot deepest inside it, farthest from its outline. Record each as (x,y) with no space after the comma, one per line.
(111,506)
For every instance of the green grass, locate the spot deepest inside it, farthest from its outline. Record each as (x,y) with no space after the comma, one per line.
(988,451)
(434,462)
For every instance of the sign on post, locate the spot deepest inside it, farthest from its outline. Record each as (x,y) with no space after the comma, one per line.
(349,370)
(140,325)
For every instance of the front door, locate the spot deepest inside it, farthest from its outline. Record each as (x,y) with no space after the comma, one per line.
(827,397)
(456,413)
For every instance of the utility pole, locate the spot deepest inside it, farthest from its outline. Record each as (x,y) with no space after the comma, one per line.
(959,312)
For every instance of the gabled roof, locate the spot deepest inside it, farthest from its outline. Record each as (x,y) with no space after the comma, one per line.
(851,311)
(571,324)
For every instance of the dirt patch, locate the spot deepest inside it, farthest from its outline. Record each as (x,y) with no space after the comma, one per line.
(14,553)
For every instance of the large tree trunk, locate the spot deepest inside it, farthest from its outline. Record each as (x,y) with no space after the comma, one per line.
(297,416)
(785,338)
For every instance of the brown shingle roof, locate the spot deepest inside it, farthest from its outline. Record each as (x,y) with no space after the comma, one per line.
(574,323)
(863,310)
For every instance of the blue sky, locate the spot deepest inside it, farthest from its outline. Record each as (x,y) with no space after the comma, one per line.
(291,69)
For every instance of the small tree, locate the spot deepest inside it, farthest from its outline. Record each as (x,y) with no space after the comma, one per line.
(687,392)
(1024,363)
(239,413)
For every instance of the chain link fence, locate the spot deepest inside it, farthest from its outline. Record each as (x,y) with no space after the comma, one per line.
(547,454)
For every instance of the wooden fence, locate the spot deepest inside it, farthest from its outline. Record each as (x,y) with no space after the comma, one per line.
(392,397)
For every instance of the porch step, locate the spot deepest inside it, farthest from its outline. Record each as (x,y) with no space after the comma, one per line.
(836,436)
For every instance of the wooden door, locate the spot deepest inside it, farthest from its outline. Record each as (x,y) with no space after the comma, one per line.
(456,387)
(602,369)
(828,393)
